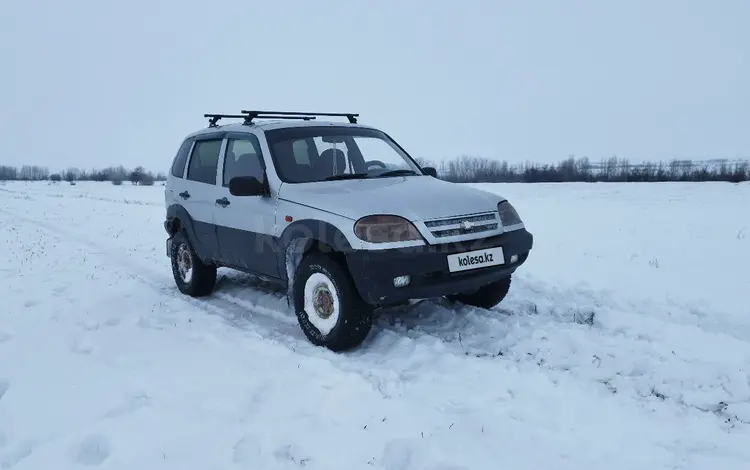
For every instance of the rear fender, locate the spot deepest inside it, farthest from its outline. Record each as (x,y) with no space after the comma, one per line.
(179,219)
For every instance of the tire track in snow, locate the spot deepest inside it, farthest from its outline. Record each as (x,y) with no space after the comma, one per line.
(235,311)
(240,311)
(463,330)
(389,339)
(516,334)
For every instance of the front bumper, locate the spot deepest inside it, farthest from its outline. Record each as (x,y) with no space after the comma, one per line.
(427,266)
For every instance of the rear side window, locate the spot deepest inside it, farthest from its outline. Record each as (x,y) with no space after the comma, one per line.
(204,161)
(178,166)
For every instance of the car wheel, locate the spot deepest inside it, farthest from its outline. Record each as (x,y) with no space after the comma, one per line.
(191,275)
(486,296)
(329,309)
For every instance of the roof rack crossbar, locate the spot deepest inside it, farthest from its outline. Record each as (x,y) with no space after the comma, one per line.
(249,118)
(214,118)
(352,117)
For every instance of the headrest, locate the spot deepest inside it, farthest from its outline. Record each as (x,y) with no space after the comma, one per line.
(334,155)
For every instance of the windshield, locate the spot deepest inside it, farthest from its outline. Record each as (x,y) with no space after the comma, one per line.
(307,154)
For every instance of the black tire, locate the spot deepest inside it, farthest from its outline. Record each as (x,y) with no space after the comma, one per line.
(487,296)
(203,276)
(354,320)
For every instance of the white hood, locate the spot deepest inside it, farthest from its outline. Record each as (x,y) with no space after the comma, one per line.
(413,197)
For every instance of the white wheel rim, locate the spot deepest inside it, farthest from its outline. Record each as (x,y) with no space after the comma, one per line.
(321,302)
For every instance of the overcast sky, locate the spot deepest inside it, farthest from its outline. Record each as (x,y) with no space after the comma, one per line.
(97,82)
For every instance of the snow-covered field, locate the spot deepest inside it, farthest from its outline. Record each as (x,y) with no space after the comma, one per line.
(624,344)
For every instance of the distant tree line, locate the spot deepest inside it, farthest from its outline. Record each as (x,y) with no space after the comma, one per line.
(467,169)
(115,174)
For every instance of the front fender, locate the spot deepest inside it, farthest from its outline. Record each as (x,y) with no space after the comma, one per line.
(317,230)
(298,236)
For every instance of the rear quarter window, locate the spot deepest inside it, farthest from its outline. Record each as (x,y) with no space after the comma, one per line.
(178,165)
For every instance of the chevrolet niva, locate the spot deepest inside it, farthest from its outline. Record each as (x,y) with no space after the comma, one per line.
(339,214)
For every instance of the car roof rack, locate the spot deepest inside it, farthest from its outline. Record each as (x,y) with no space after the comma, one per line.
(248,116)
(214,118)
(352,117)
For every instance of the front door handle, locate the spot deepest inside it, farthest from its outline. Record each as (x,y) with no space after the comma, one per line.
(184,195)
(223,202)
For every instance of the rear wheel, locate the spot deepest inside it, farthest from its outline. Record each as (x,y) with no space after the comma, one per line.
(486,296)
(191,275)
(329,309)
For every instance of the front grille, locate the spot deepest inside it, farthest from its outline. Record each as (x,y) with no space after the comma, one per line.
(454,226)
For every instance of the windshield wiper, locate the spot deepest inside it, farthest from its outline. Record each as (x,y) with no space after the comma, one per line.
(398,172)
(346,176)
(356,176)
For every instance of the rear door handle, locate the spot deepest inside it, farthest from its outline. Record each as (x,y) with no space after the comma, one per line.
(184,195)
(223,202)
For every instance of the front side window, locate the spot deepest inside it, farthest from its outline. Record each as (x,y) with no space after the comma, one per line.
(308,154)
(243,158)
(204,161)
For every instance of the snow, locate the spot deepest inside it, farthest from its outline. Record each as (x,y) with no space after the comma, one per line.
(624,343)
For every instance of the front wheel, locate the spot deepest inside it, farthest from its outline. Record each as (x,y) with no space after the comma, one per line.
(329,309)
(486,296)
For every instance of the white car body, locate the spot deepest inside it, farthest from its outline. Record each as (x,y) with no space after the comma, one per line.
(268,221)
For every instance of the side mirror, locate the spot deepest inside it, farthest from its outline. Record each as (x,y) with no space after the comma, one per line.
(430,171)
(246,186)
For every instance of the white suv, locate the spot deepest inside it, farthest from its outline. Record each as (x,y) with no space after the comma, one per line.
(339,214)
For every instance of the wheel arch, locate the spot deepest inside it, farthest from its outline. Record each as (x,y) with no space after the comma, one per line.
(178,219)
(304,236)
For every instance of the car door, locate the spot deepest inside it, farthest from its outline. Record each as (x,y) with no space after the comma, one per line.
(245,224)
(199,191)
(176,175)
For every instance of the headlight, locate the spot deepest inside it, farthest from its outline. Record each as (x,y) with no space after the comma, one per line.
(385,228)
(508,214)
